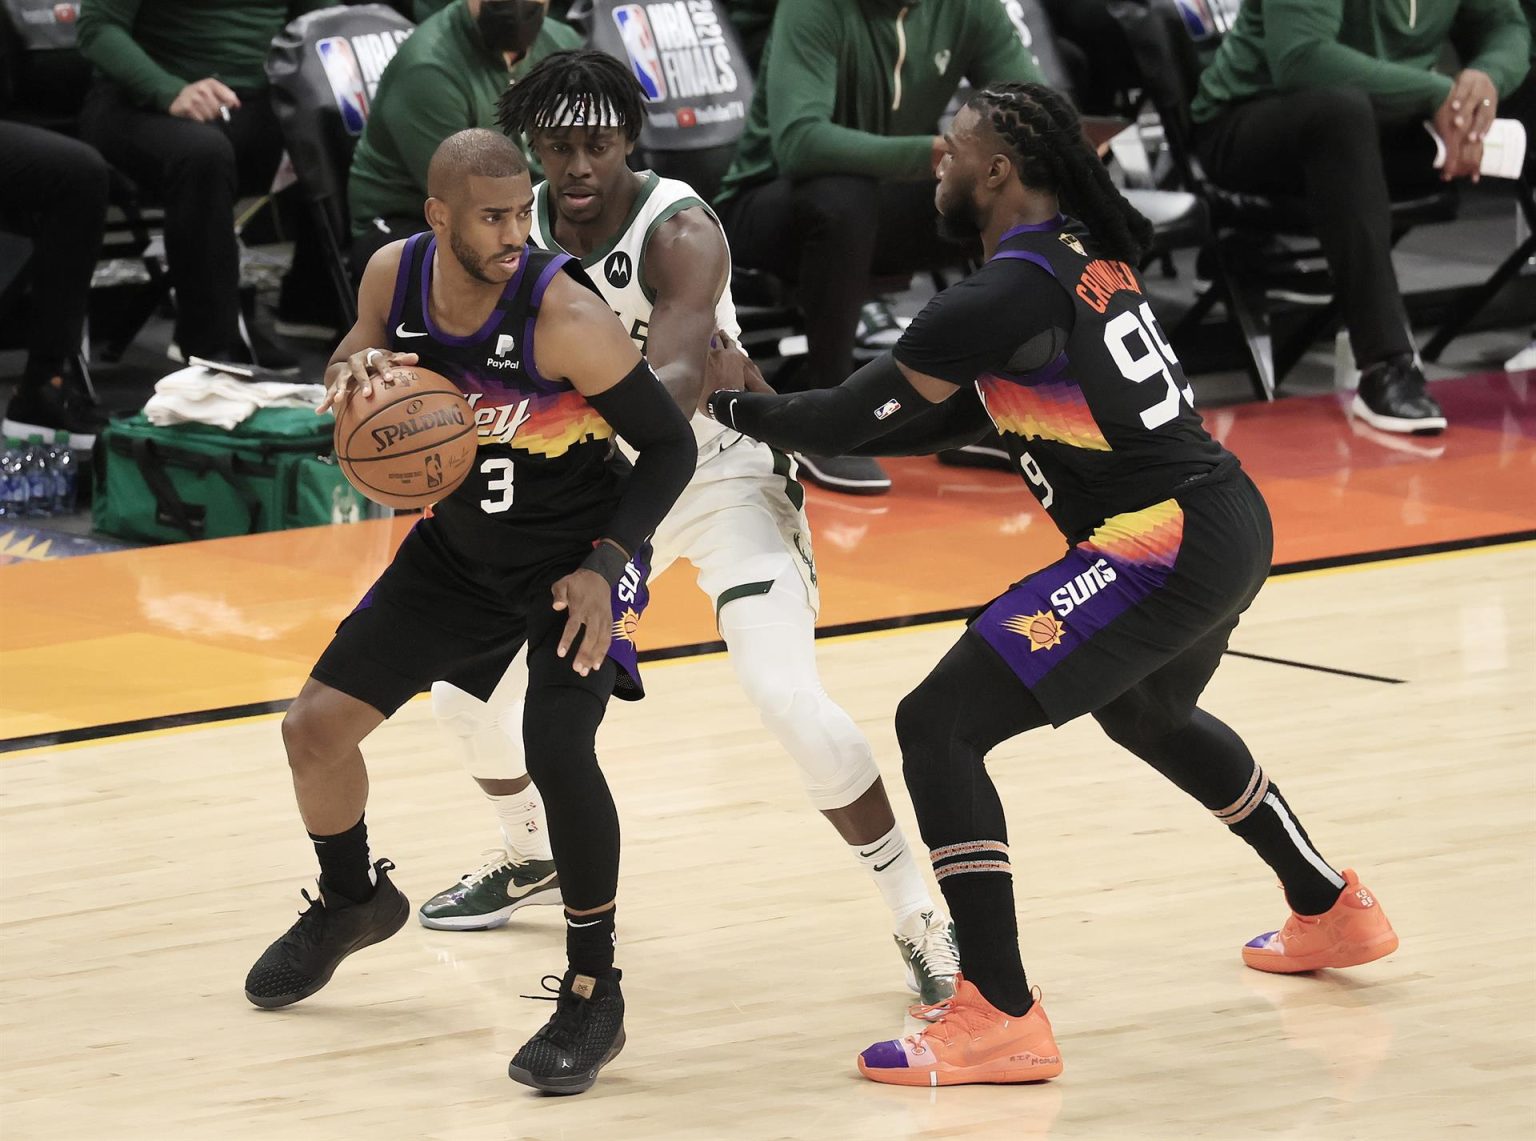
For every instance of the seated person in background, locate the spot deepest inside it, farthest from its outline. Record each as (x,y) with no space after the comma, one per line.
(420,10)
(180,104)
(445,78)
(54,190)
(1521,104)
(833,181)
(1296,96)
(752,19)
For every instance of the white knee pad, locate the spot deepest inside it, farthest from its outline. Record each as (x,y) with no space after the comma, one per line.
(490,732)
(772,644)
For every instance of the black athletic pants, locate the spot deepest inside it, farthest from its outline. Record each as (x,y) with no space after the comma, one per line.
(54,190)
(1327,145)
(197,171)
(829,236)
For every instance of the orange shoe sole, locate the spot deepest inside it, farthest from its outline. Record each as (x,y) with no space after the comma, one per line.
(1343,955)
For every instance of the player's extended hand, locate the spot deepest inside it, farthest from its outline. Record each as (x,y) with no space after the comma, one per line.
(360,368)
(728,367)
(588,599)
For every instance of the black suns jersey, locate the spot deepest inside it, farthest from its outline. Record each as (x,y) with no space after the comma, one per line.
(544,480)
(1100,423)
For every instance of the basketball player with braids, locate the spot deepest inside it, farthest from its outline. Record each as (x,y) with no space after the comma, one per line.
(1169,542)
(542,546)
(659,259)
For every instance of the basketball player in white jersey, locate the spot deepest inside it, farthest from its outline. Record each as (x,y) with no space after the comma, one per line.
(659,258)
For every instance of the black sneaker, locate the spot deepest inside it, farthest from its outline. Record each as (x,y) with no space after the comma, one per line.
(50,408)
(305,958)
(1394,398)
(852,475)
(585,1033)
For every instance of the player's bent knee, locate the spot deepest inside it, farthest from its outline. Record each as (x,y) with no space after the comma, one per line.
(309,738)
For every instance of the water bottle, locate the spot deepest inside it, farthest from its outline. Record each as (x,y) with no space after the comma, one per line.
(13,485)
(34,465)
(65,469)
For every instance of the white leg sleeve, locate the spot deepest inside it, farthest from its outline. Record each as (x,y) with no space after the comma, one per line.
(490,732)
(772,640)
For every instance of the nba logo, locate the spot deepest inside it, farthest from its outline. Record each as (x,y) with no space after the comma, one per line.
(640,46)
(346,80)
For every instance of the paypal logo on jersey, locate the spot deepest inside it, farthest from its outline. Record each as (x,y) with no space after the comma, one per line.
(504,345)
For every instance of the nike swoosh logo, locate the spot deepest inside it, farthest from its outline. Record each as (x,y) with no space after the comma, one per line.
(572,923)
(875,849)
(402,333)
(888,863)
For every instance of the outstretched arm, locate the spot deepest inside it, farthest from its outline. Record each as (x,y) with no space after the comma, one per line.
(687,266)
(879,398)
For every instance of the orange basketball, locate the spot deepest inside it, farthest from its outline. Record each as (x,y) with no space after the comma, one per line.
(411,442)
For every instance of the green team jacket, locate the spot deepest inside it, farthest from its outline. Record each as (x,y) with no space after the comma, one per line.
(154,48)
(1385,48)
(857,86)
(441,81)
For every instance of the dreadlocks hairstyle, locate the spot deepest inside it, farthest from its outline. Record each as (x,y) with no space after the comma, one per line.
(581,88)
(1042,130)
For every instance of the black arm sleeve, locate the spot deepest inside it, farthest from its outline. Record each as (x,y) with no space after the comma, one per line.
(826,421)
(639,409)
(958,421)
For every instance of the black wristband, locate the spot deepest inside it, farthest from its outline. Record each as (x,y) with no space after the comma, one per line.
(719,406)
(606,559)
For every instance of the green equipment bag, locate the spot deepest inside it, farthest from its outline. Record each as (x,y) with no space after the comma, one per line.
(197,481)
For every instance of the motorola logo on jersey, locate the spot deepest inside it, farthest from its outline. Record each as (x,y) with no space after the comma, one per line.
(677,49)
(618,269)
(1083,587)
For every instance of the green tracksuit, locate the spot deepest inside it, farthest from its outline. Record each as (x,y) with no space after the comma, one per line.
(441,80)
(857,86)
(154,48)
(1386,48)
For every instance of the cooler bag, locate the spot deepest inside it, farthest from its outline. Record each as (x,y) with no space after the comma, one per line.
(196,481)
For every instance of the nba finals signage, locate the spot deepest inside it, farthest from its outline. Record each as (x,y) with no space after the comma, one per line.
(689,64)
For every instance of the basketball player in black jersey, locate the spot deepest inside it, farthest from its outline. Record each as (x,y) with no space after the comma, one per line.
(1054,342)
(542,544)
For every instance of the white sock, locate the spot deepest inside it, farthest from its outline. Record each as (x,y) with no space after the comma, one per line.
(889,862)
(521,817)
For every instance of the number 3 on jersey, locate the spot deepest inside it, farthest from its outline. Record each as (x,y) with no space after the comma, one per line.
(1154,359)
(503,470)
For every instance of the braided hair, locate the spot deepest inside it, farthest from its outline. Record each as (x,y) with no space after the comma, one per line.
(1041,129)
(584,86)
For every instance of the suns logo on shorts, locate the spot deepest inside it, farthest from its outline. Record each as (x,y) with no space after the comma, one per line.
(1042,628)
(626,624)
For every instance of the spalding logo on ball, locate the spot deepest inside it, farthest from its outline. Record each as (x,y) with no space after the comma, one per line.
(411,442)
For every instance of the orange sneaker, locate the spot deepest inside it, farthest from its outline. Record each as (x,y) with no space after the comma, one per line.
(1354,930)
(967,1040)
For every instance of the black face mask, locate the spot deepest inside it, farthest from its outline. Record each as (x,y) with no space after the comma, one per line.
(510,25)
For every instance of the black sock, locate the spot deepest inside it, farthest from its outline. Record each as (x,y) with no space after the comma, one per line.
(589,941)
(981,904)
(1261,819)
(344,864)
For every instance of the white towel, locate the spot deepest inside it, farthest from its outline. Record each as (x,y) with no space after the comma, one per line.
(199,395)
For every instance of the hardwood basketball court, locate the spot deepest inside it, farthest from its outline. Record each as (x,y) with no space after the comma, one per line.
(144,866)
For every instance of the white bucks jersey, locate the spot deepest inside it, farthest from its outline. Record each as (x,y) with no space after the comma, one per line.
(618,268)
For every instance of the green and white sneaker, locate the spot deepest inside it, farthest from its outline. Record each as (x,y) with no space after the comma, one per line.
(932,957)
(488,896)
